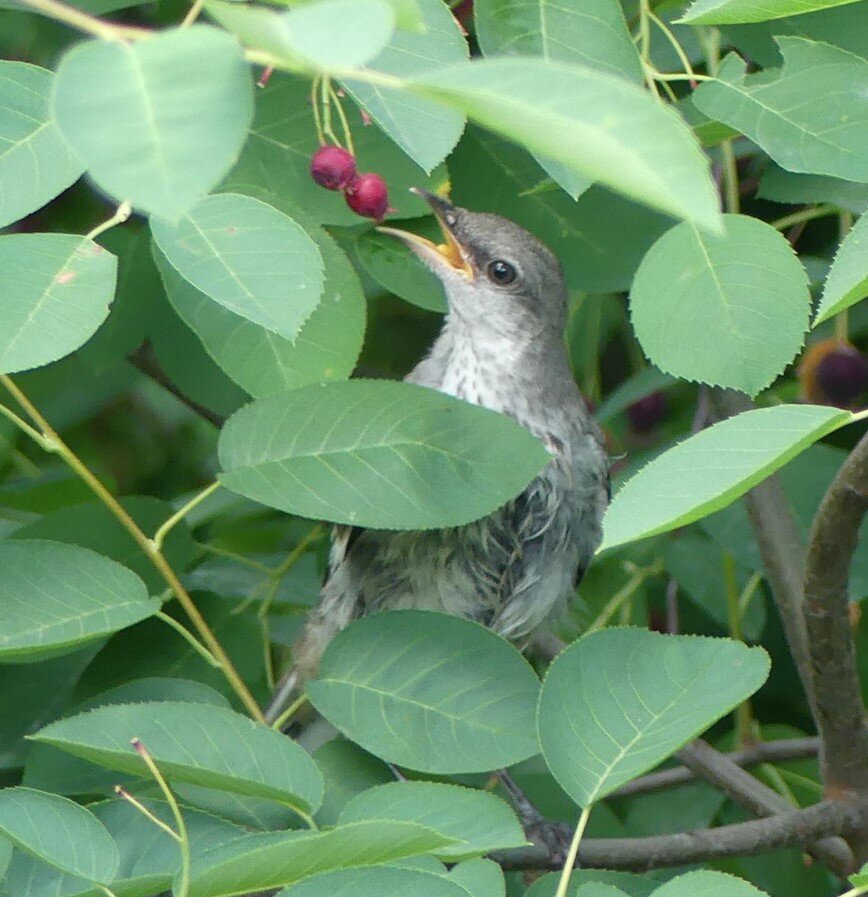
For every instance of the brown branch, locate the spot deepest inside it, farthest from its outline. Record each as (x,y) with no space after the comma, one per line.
(781,547)
(764,752)
(796,828)
(840,711)
(146,361)
(751,794)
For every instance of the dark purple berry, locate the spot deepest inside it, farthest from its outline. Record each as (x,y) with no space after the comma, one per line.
(842,375)
(367,196)
(333,167)
(645,413)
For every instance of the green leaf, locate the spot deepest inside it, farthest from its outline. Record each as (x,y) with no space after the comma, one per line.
(730,12)
(619,701)
(847,282)
(589,33)
(565,113)
(148,856)
(628,882)
(326,35)
(479,821)
(57,597)
(713,468)
(282,140)
(272,859)
(747,287)
(193,743)
(59,832)
(812,118)
(56,292)
(709,884)
(424,130)
(785,186)
(248,257)
(260,361)
(482,878)
(599,240)
(348,771)
(93,525)
(377,453)
(860,878)
(35,162)
(53,770)
(173,122)
(428,691)
(399,270)
(377,881)
(599,889)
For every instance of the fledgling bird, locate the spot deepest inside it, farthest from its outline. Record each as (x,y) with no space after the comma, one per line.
(501,347)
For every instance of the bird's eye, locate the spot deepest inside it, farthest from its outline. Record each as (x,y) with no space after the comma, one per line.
(501,272)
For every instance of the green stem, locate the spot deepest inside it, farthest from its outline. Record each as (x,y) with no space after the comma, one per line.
(277,573)
(673,40)
(345,125)
(748,592)
(678,76)
(122,792)
(623,595)
(804,215)
(189,638)
(181,513)
(314,103)
(238,558)
(183,889)
(193,13)
(290,712)
(124,210)
(743,715)
(47,434)
(731,198)
(325,92)
(564,883)
(22,425)
(83,22)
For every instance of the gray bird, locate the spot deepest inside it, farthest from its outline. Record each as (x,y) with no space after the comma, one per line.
(501,347)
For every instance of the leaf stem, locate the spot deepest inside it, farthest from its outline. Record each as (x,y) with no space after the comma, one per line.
(325,95)
(183,888)
(679,76)
(50,436)
(314,102)
(564,883)
(808,214)
(731,198)
(624,594)
(743,715)
(345,125)
(189,638)
(84,22)
(193,13)
(673,40)
(123,212)
(290,711)
(181,513)
(277,573)
(122,792)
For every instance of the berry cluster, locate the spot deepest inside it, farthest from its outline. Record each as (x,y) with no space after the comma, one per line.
(334,168)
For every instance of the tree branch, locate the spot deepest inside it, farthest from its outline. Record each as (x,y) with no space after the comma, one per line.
(839,710)
(751,794)
(763,752)
(796,828)
(780,544)
(146,361)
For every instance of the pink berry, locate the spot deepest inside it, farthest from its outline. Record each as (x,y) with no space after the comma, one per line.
(333,167)
(367,196)
(645,413)
(843,375)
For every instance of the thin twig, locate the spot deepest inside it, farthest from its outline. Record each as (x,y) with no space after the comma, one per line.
(751,794)
(145,544)
(755,755)
(84,22)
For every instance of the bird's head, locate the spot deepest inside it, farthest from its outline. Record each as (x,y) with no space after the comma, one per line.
(495,273)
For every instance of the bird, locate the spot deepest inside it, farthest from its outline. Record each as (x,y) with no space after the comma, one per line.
(502,347)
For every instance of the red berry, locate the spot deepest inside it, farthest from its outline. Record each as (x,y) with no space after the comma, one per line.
(842,375)
(333,167)
(367,196)
(645,413)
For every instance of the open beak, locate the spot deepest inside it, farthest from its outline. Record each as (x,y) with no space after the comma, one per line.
(449,252)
